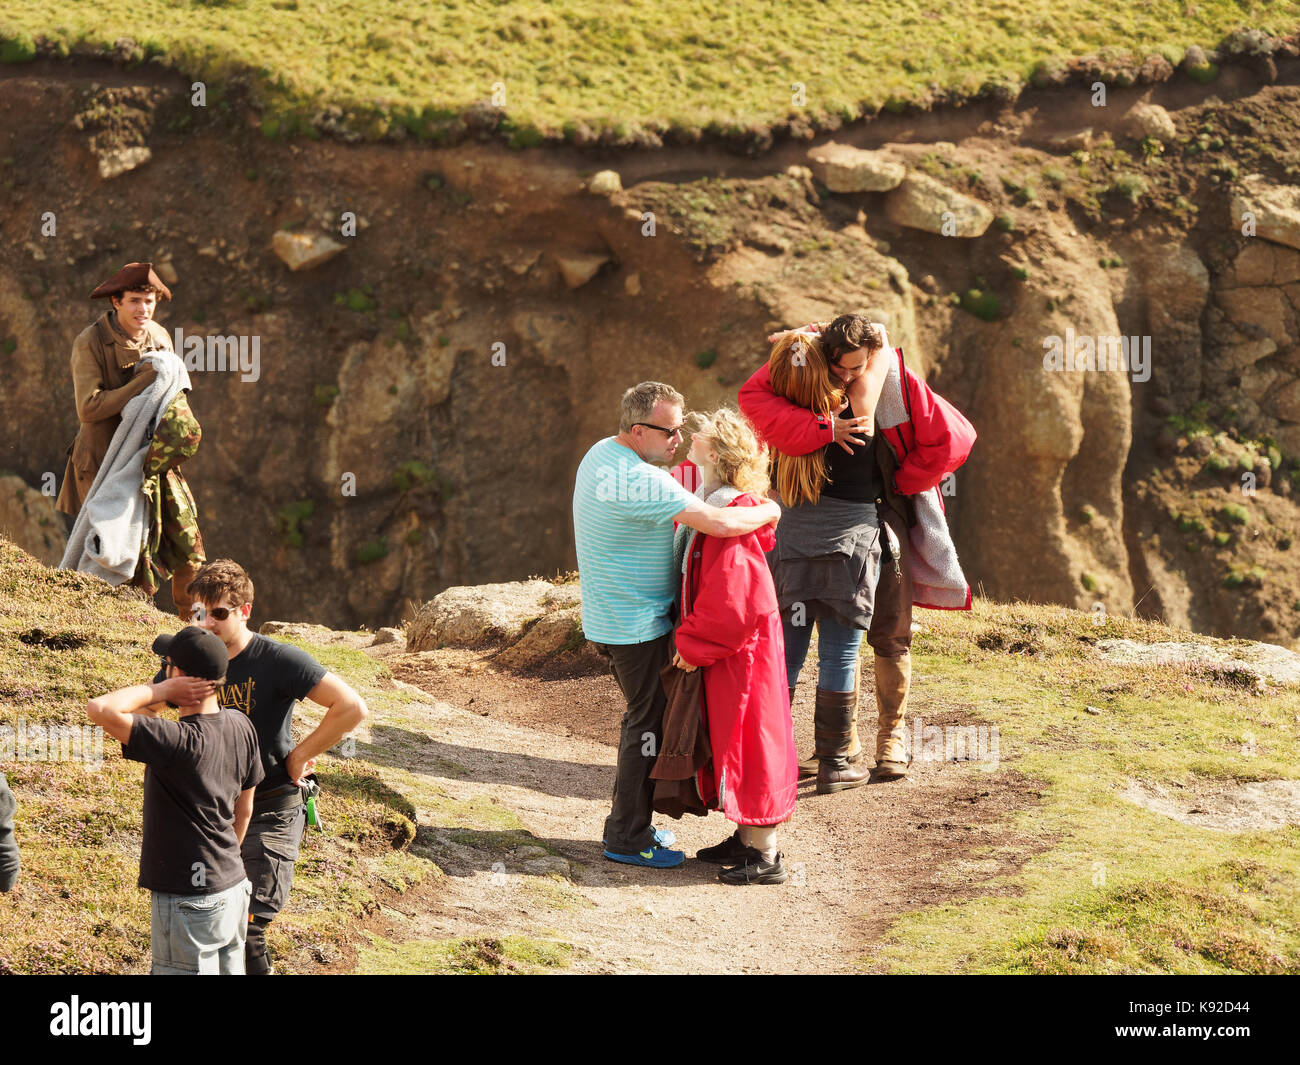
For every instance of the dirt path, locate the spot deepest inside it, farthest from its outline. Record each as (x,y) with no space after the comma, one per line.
(544,749)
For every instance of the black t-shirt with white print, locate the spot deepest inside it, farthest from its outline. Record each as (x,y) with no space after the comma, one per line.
(264,681)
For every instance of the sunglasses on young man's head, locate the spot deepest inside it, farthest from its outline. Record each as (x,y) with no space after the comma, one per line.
(200,613)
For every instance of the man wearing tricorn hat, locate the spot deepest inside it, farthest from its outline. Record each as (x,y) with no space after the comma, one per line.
(107,372)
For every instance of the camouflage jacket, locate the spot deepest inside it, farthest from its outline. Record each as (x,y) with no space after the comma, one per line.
(172,536)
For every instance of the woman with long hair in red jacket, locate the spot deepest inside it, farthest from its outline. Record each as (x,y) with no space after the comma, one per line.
(731,628)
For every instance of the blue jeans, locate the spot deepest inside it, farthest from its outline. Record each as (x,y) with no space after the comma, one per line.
(200,935)
(837,652)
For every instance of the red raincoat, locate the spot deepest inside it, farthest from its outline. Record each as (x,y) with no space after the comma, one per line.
(934,441)
(731,628)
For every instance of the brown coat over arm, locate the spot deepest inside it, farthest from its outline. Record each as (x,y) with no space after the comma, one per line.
(103,379)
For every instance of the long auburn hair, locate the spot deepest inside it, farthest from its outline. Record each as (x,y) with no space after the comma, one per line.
(799,371)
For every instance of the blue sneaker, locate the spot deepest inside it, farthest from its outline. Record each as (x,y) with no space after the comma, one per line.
(663,837)
(654,858)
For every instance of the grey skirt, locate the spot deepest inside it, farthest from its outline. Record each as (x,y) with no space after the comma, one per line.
(827,558)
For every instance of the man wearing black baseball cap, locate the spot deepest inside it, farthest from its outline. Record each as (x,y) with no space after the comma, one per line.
(200,773)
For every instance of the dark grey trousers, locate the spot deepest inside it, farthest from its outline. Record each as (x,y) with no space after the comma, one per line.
(269,851)
(636,667)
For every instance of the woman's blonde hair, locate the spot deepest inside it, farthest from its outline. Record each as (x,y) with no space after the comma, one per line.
(799,372)
(741,462)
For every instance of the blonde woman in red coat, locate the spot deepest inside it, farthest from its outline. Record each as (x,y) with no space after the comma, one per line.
(731,628)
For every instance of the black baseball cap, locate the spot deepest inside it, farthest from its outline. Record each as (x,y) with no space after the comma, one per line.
(196,651)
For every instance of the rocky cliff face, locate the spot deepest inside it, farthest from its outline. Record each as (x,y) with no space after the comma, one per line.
(421,398)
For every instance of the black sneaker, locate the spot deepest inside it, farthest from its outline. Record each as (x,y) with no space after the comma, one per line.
(754,870)
(729,852)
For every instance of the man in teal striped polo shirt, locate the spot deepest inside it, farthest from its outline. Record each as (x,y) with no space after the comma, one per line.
(624,506)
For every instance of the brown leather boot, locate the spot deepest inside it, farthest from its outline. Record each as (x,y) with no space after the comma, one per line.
(893,679)
(808,766)
(833,732)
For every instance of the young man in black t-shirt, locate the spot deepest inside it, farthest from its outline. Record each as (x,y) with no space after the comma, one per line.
(199,777)
(264,680)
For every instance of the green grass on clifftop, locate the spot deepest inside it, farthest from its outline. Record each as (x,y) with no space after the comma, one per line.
(714,65)
(1111,886)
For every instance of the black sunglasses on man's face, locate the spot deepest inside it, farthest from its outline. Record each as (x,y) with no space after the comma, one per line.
(670,433)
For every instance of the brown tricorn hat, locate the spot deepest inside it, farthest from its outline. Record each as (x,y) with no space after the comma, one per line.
(131,276)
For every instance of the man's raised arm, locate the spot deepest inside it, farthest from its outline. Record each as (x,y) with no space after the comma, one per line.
(115,711)
(728,521)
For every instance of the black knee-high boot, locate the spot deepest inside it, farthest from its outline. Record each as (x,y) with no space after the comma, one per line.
(257,962)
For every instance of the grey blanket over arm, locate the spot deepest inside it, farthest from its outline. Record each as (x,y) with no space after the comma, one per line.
(109,531)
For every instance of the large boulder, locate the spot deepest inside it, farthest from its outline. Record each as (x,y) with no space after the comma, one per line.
(580,267)
(552,634)
(476,615)
(1257,663)
(305,630)
(1275,209)
(115,162)
(842,168)
(304,251)
(1150,120)
(366,451)
(605,183)
(921,202)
